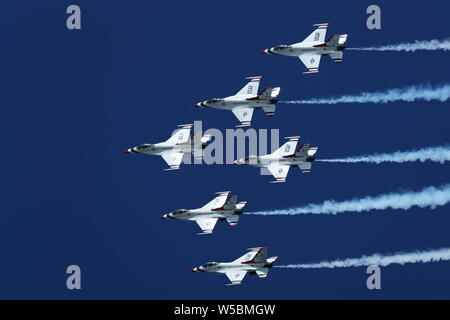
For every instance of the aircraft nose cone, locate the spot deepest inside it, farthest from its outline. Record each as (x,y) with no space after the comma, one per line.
(163,216)
(265,51)
(193,270)
(126,151)
(196,105)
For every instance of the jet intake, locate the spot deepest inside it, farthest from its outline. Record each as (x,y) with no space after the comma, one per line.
(310,159)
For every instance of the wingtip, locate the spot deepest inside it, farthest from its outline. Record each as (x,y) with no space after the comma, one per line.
(234,283)
(254,78)
(223,192)
(244,124)
(204,233)
(171,168)
(188,125)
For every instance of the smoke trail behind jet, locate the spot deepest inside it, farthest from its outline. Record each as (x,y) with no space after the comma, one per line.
(379,260)
(429,45)
(429,197)
(423,92)
(439,154)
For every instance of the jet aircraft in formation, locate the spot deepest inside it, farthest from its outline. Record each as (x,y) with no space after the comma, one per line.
(253,262)
(245,101)
(285,157)
(310,50)
(173,149)
(223,207)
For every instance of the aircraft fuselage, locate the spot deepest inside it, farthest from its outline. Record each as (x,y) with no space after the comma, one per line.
(231,102)
(301,48)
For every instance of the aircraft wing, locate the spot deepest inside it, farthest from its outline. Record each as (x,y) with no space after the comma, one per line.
(311,61)
(218,202)
(279,171)
(261,255)
(230,203)
(235,276)
(250,256)
(251,87)
(173,158)
(244,115)
(318,35)
(206,224)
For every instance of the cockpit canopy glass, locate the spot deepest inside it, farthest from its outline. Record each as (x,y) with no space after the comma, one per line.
(209,264)
(213,100)
(281,47)
(180,211)
(143,146)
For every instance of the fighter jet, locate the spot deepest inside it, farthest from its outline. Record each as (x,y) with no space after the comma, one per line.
(253,262)
(310,50)
(173,149)
(245,101)
(287,156)
(223,207)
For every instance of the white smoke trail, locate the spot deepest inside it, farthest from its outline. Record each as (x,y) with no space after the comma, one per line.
(411,47)
(429,197)
(424,92)
(379,260)
(435,154)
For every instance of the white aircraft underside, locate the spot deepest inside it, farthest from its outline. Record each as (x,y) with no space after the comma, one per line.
(310,50)
(254,262)
(285,157)
(245,101)
(223,207)
(173,149)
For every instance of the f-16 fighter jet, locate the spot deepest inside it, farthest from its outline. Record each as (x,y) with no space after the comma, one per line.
(223,207)
(173,149)
(253,262)
(310,50)
(245,101)
(279,162)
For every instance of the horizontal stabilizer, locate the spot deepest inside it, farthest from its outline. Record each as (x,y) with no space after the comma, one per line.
(241,204)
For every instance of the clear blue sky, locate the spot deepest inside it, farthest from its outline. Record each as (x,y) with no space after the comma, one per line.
(73,100)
